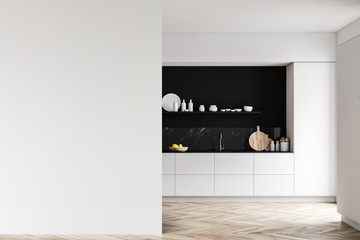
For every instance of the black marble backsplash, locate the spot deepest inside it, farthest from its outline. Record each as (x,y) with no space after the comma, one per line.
(207,139)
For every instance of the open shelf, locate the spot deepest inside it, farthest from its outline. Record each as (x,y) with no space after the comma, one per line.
(212,113)
(212,119)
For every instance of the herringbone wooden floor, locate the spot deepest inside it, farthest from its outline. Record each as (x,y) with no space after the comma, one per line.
(260,221)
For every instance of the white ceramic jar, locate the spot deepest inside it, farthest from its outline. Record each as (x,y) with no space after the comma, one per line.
(213,108)
(202,108)
(284,147)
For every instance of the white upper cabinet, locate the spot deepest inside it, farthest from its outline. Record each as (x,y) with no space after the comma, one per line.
(314,128)
(234,163)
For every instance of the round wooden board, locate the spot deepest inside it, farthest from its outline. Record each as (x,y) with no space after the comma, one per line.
(268,146)
(258,140)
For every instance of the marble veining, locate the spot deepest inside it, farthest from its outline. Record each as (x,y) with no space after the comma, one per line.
(207,139)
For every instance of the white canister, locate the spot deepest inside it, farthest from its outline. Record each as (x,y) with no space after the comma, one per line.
(213,108)
(277,146)
(202,108)
(272,146)
(284,147)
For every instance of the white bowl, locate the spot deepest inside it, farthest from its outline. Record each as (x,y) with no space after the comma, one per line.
(228,109)
(238,109)
(248,108)
(233,110)
(223,110)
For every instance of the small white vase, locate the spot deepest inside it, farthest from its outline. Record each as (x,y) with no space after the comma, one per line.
(213,108)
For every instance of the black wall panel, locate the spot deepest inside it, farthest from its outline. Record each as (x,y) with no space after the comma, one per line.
(228,87)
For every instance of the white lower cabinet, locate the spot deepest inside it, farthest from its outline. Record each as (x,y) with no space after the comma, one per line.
(234,185)
(274,163)
(194,185)
(168,163)
(168,185)
(274,185)
(228,174)
(194,163)
(234,163)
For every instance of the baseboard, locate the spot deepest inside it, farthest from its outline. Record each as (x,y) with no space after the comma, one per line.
(248,199)
(350,222)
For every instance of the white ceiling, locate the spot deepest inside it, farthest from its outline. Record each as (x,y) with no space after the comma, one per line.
(258,15)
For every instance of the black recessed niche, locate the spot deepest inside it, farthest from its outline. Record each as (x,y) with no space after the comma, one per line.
(264,88)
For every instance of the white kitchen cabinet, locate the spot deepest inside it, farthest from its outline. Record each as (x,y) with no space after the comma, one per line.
(314,128)
(274,163)
(168,163)
(194,185)
(234,163)
(228,174)
(274,185)
(168,185)
(194,163)
(234,185)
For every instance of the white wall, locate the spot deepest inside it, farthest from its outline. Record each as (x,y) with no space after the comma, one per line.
(248,48)
(348,126)
(80,124)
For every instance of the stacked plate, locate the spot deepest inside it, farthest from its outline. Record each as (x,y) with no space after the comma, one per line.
(168,102)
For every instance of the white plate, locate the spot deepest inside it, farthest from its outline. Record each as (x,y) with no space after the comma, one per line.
(168,101)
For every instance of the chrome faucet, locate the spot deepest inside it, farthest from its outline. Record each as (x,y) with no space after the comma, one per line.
(221,145)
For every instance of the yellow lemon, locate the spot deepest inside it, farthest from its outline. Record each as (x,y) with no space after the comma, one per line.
(175,145)
(180,145)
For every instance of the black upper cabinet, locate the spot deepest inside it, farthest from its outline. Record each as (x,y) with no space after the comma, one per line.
(228,87)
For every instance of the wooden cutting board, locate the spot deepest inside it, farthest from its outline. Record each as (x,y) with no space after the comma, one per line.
(258,140)
(269,142)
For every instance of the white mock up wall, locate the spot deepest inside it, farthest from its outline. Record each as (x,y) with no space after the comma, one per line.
(248,48)
(348,125)
(80,124)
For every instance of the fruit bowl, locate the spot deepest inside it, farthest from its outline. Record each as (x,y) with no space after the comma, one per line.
(178,149)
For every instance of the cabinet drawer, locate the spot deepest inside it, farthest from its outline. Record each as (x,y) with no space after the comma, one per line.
(168,163)
(168,185)
(234,185)
(194,185)
(194,163)
(274,163)
(234,163)
(274,185)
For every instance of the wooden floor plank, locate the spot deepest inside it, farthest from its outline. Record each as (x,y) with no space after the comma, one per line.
(248,221)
